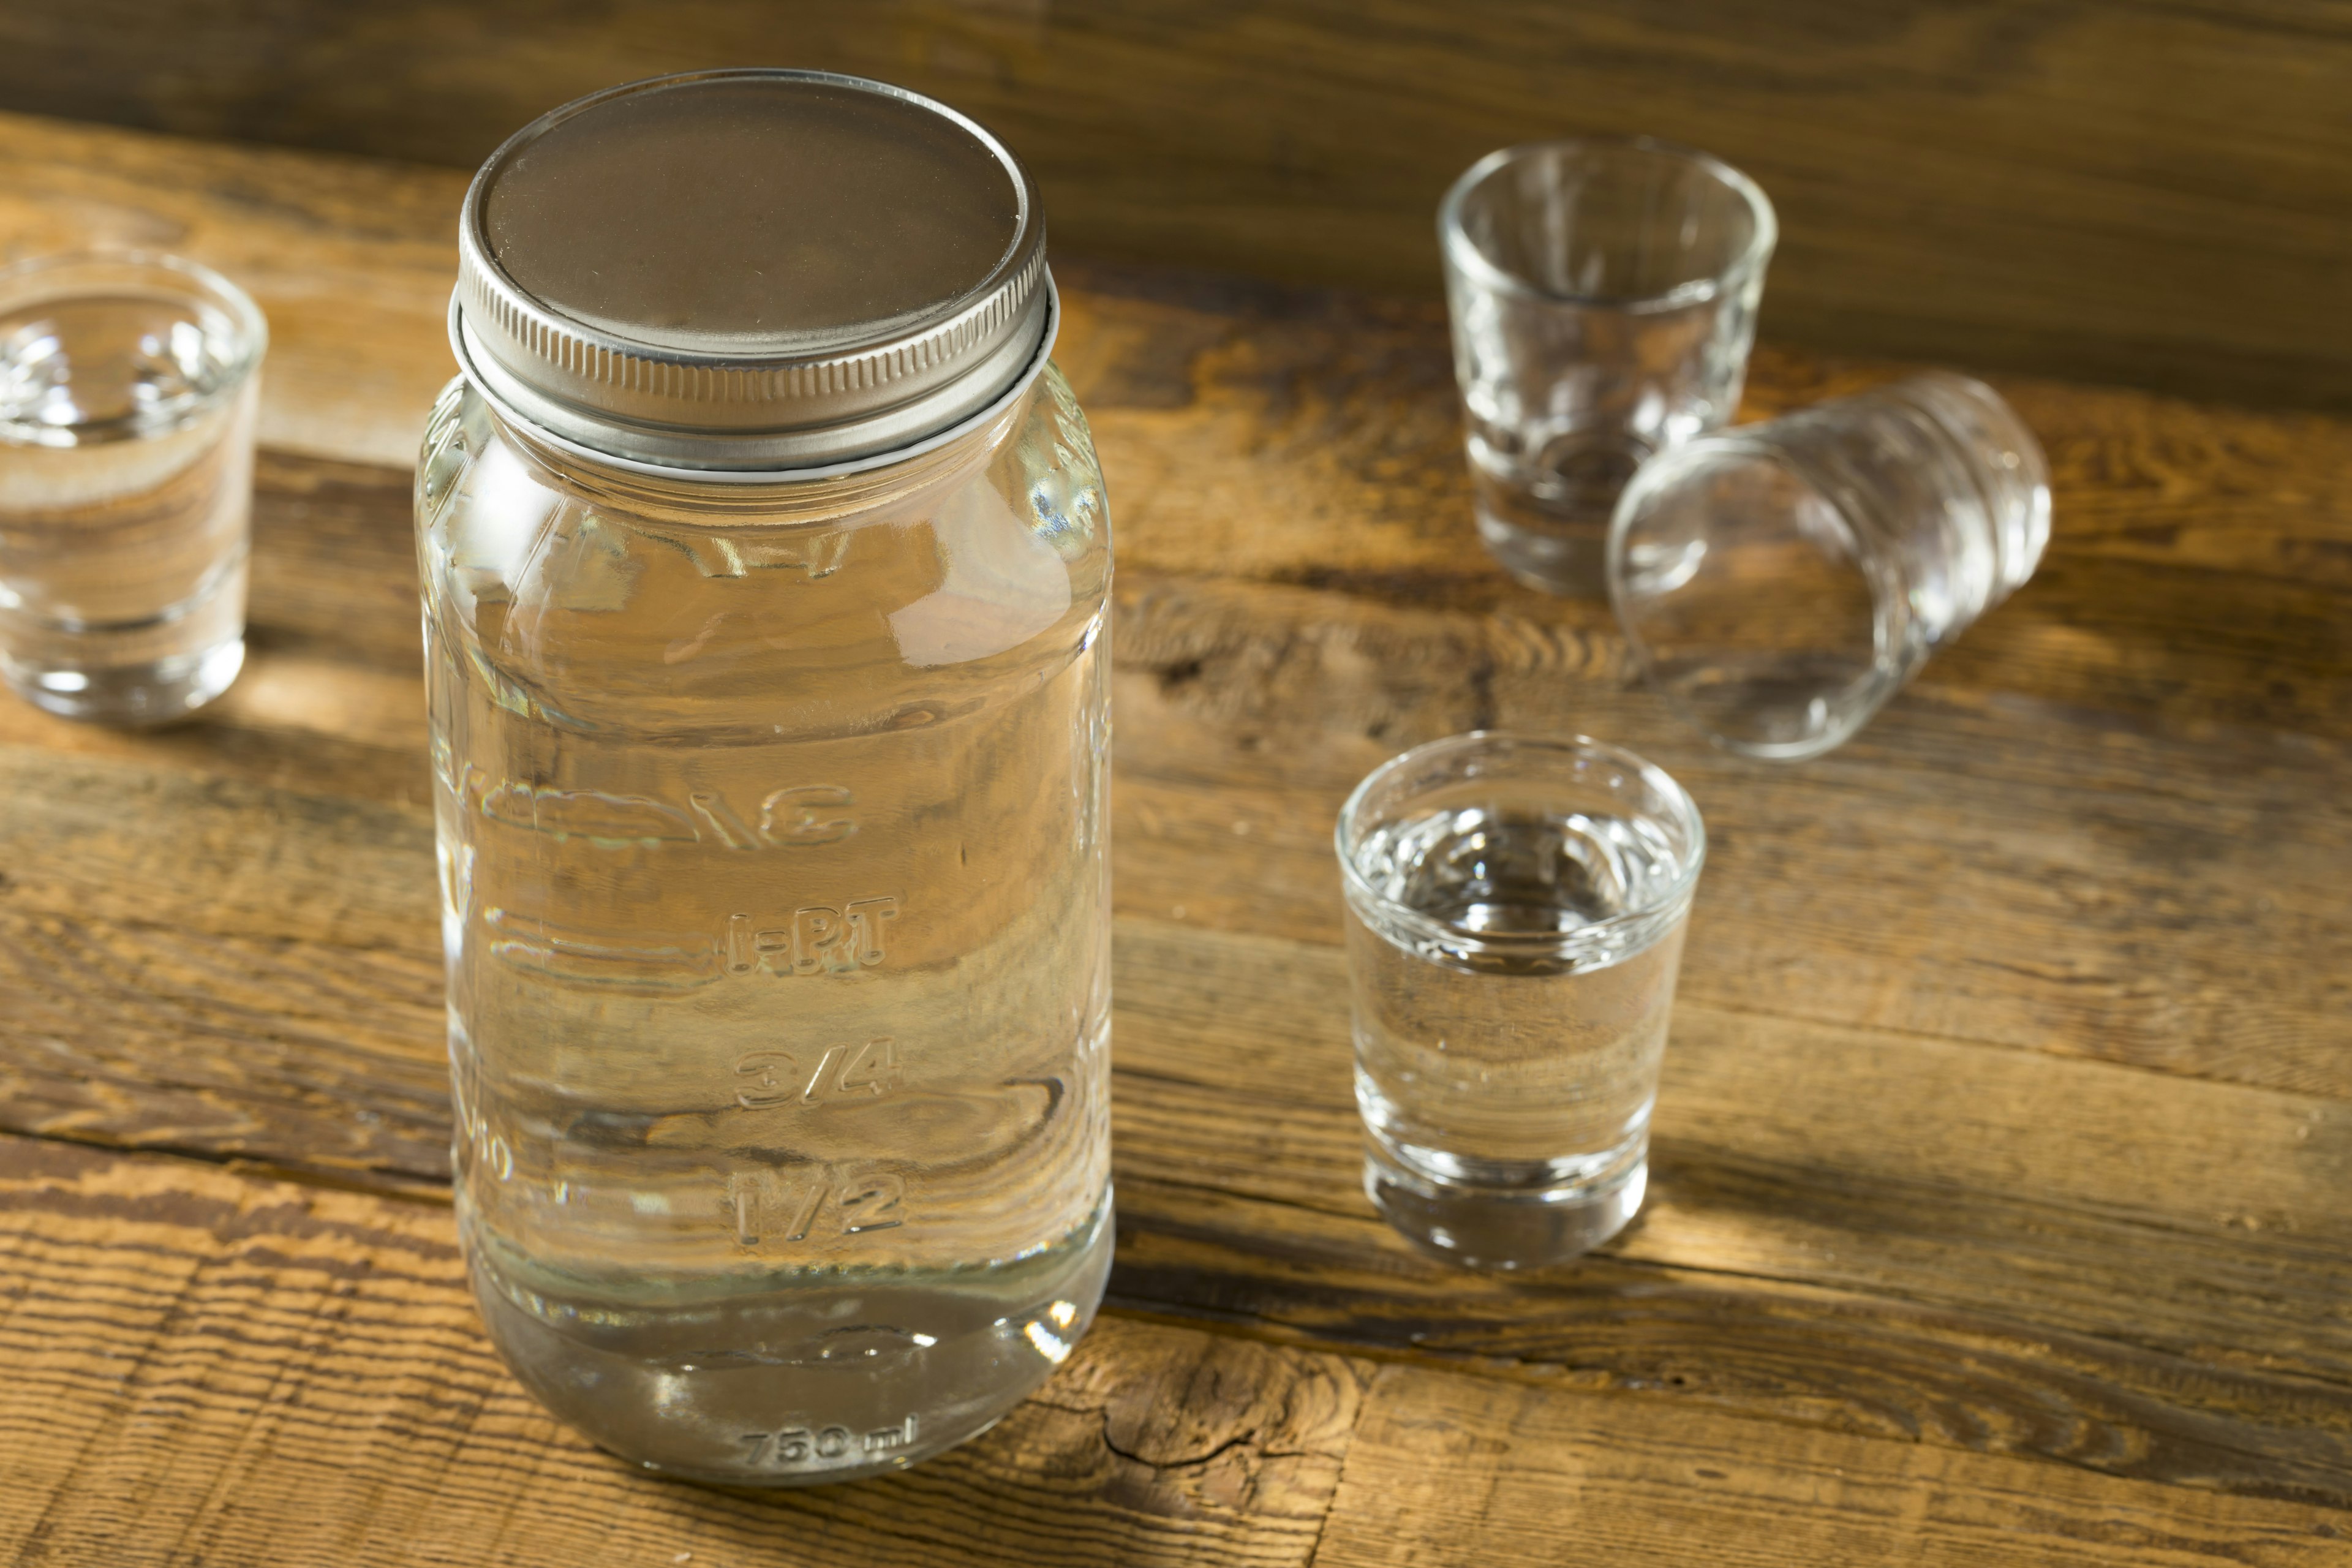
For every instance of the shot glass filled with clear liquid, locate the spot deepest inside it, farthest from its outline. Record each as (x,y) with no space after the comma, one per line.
(1516,913)
(128,386)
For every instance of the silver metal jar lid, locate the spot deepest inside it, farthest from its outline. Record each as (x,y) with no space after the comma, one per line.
(750,271)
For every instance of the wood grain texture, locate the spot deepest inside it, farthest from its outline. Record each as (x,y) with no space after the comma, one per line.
(211,1367)
(1849,1228)
(1870,1231)
(2102,886)
(1456,1471)
(2131,190)
(2000,1160)
(205,1368)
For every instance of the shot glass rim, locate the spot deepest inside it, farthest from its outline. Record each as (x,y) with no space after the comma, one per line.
(202,283)
(1466,257)
(1673,897)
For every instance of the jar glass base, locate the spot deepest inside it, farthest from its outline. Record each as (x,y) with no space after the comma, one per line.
(797,1382)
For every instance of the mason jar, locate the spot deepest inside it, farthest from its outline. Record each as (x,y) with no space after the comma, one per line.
(765,568)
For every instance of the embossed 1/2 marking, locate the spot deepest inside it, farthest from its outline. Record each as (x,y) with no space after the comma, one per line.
(824,938)
(788,1203)
(844,1072)
(799,1445)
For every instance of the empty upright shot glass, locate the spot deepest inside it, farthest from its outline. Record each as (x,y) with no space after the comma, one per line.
(128,386)
(1516,913)
(1603,299)
(1780,582)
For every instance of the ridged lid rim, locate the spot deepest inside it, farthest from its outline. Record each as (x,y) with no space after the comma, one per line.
(1013,393)
(627,397)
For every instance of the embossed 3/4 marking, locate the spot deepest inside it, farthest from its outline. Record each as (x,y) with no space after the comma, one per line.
(844,1072)
(788,1203)
(802,1445)
(824,938)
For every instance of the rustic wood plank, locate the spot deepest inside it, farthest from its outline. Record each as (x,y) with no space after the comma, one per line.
(1334,412)
(151,845)
(1838,1362)
(1217,403)
(334,560)
(2151,1256)
(2132,814)
(1454,1471)
(1998,867)
(204,1366)
(2141,191)
(1874,1233)
(292,1032)
(320,727)
(1916,1187)
(2197,571)
(2127,617)
(1252,1015)
(302,1054)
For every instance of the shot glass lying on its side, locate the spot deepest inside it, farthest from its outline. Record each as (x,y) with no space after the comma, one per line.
(1778,583)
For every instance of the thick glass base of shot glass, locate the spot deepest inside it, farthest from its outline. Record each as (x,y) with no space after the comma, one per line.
(1568,562)
(1550,531)
(1519,1215)
(152,692)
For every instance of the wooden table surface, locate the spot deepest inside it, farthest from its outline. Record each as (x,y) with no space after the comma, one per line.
(1999,1210)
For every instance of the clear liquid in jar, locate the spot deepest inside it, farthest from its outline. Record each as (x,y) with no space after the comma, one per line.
(775,905)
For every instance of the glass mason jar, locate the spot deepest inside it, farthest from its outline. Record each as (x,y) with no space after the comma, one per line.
(766,568)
